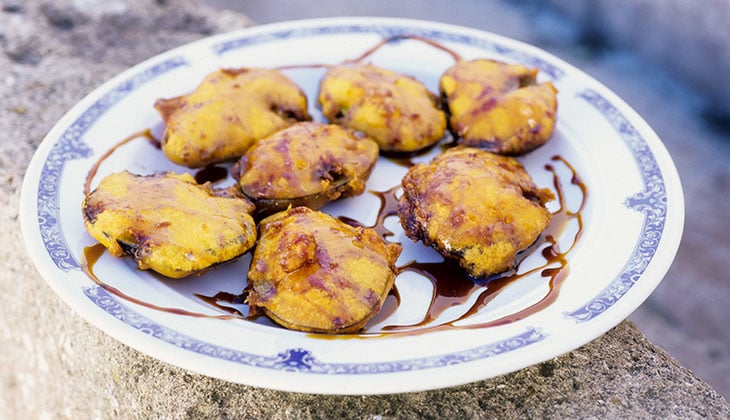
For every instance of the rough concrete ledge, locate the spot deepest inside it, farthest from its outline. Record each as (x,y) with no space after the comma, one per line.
(54,365)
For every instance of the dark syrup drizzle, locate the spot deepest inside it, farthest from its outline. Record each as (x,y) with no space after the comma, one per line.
(146,134)
(226,297)
(394,38)
(451,286)
(91,256)
(211,173)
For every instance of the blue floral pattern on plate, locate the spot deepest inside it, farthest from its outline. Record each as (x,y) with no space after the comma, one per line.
(651,202)
(302,360)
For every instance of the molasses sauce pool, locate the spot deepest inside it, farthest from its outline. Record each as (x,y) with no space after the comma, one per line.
(451,286)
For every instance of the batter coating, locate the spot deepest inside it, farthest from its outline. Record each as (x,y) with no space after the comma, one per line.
(168,222)
(474,206)
(227,113)
(311,272)
(396,111)
(307,164)
(497,106)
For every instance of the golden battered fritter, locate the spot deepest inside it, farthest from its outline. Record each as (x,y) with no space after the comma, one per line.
(307,164)
(396,111)
(312,272)
(497,106)
(474,206)
(227,113)
(168,223)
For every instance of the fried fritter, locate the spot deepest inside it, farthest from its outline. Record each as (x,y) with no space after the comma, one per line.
(307,164)
(311,272)
(227,113)
(168,222)
(497,106)
(396,111)
(474,206)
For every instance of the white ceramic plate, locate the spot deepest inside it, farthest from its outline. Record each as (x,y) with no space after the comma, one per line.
(633,220)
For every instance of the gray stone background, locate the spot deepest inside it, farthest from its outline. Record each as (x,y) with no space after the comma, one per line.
(54,365)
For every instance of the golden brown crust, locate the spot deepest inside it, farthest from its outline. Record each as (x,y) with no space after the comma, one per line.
(474,206)
(227,113)
(396,111)
(497,106)
(307,164)
(311,272)
(169,223)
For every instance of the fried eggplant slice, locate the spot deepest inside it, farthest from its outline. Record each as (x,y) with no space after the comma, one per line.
(227,113)
(395,110)
(497,106)
(307,164)
(311,272)
(474,206)
(168,223)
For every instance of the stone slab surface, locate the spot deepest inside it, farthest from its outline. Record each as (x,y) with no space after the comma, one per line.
(54,365)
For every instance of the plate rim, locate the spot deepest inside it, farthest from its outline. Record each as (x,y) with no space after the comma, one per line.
(135,340)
